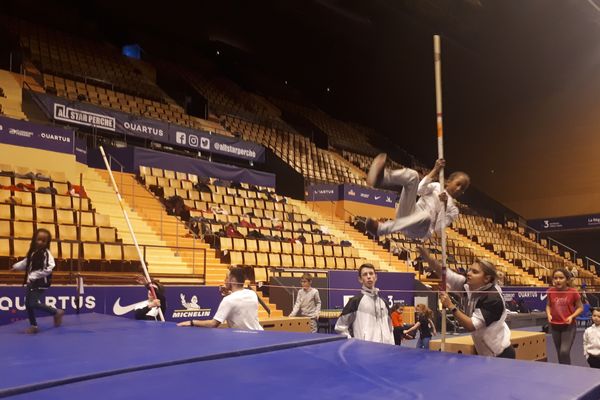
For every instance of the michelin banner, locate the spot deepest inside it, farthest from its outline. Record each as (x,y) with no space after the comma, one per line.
(85,114)
(45,137)
(183,302)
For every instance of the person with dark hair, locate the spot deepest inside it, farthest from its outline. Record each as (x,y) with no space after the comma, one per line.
(591,340)
(308,302)
(435,209)
(425,326)
(366,316)
(239,307)
(483,312)
(38,266)
(149,311)
(562,307)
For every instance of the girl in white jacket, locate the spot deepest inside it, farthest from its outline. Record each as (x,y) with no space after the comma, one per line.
(38,266)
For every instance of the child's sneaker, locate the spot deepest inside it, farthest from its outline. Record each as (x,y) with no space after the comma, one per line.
(58,317)
(32,330)
(375,175)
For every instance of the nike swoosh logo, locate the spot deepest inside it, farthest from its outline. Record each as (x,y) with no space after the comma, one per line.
(377,197)
(118,309)
(543,297)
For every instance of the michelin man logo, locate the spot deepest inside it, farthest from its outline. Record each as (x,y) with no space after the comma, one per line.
(191,309)
(180,137)
(192,305)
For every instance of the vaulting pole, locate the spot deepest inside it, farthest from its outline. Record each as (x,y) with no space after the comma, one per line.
(437,57)
(135,242)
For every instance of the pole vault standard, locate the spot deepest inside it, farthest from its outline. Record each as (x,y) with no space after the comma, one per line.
(135,242)
(437,59)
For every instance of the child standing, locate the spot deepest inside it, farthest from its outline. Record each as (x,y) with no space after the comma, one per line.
(564,305)
(38,266)
(591,340)
(308,302)
(417,219)
(398,323)
(425,326)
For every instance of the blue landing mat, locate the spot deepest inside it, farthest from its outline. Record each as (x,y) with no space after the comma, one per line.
(91,345)
(347,369)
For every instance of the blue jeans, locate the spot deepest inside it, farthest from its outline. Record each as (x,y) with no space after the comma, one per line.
(423,343)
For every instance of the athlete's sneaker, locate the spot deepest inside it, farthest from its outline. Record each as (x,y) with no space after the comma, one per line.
(32,330)
(58,317)
(375,175)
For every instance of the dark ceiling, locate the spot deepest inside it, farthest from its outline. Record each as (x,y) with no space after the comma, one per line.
(520,76)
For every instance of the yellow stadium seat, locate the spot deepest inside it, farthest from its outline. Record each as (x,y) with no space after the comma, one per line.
(286,260)
(64,202)
(89,234)
(262,259)
(23,213)
(237,258)
(23,229)
(274,260)
(239,244)
(263,246)
(320,262)
(130,253)
(43,200)
(67,232)
(276,247)
(102,220)
(309,261)
(113,252)
(5,211)
(251,245)
(107,235)
(20,247)
(226,243)
(249,258)
(44,215)
(5,228)
(65,217)
(92,251)
(24,197)
(87,218)
(298,261)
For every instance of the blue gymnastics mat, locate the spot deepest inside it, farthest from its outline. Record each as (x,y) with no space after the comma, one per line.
(96,356)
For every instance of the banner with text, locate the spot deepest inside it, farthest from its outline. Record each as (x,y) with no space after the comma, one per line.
(388,283)
(349,192)
(565,223)
(85,114)
(28,134)
(534,298)
(183,302)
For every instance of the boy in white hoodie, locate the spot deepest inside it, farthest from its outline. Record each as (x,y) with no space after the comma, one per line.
(366,316)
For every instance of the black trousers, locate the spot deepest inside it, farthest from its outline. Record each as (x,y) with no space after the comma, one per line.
(594,361)
(508,352)
(32,301)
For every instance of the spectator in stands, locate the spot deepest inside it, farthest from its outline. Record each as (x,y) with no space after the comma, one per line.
(417,219)
(239,308)
(149,310)
(591,341)
(308,302)
(38,266)
(76,191)
(483,313)
(366,315)
(425,326)
(562,308)
(231,232)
